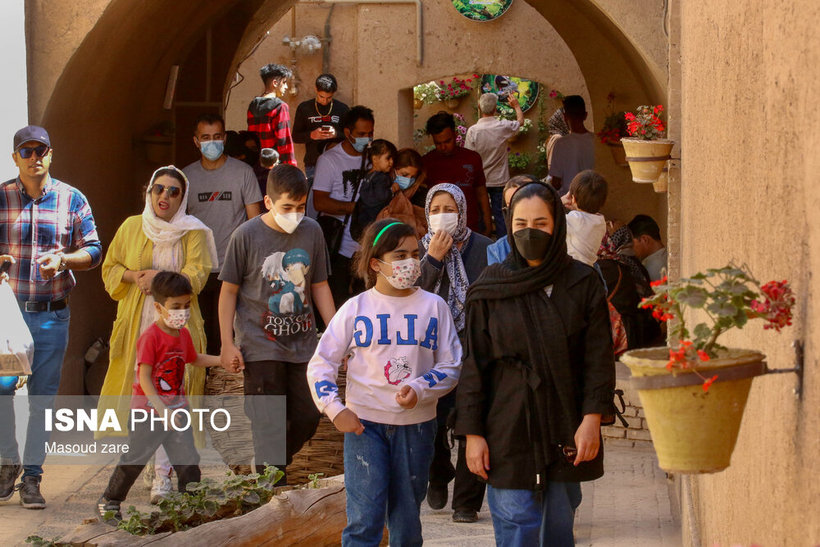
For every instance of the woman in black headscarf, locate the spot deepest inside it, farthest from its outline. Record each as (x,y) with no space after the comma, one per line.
(538,374)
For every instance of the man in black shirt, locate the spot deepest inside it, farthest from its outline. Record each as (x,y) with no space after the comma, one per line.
(317,122)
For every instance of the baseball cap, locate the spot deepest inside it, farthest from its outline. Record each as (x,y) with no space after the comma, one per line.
(31,133)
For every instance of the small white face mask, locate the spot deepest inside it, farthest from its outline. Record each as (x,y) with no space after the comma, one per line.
(405,273)
(288,221)
(176,319)
(444,221)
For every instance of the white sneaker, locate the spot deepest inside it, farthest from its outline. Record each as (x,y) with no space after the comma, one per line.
(161,488)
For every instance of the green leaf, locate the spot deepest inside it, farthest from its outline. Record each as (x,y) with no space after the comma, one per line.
(694,297)
(251,498)
(722,309)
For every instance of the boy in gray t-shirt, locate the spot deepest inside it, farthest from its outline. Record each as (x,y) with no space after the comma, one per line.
(273,276)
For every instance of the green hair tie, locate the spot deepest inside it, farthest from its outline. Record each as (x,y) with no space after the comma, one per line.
(383,230)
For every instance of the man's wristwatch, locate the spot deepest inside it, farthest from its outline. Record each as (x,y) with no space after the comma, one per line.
(63,262)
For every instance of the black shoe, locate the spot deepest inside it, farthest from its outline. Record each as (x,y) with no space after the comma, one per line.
(8,474)
(437,495)
(466,516)
(30,496)
(106,506)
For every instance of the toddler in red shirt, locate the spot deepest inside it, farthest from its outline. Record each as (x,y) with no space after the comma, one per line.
(162,352)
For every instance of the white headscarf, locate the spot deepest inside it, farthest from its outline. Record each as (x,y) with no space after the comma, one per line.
(166,235)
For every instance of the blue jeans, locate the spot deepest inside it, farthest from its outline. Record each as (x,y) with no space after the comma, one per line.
(49,329)
(528,517)
(386,470)
(496,204)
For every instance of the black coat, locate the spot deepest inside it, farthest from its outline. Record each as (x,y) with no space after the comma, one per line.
(499,385)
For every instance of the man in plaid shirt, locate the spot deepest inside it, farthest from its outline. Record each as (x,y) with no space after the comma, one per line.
(269,116)
(46,231)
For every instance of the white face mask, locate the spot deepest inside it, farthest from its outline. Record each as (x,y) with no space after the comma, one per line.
(444,221)
(288,221)
(405,273)
(176,319)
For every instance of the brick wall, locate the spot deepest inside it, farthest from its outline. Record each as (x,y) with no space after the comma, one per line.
(637,434)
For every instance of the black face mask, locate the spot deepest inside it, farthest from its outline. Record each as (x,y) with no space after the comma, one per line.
(532,243)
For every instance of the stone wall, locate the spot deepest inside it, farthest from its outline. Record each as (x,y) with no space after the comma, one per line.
(750,193)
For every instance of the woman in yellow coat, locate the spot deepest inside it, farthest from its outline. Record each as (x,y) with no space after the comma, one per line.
(163,237)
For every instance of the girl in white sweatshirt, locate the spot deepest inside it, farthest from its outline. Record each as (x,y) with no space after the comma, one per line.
(403,354)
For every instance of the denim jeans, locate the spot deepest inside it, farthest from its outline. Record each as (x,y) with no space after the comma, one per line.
(386,474)
(49,329)
(528,517)
(496,204)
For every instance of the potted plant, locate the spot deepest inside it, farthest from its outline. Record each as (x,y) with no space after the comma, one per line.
(518,161)
(646,151)
(461,129)
(450,94)
(613,131)
(425,94)
(694,392)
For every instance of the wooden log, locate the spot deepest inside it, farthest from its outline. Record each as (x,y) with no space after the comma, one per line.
(310,517)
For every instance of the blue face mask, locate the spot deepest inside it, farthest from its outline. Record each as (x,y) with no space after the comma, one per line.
(360,143)
(212,149)
(404,182)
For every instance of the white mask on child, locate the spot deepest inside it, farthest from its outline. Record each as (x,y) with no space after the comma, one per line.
(176,319)
(444,221)
(405,273)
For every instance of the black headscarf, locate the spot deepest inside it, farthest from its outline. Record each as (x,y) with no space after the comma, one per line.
(514,276)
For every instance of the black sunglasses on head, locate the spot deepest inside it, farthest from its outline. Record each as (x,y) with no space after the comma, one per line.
(173,191)
(41,150)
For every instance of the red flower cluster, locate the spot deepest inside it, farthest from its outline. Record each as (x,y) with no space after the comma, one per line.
(456,88)
(684,356)
(611,136)
(647,124)
(661,311)
(777,308)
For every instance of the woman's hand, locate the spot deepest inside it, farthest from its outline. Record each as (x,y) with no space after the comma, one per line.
(347,422)
(588,438)
(478,455)
(144,278)
(407,397)
(440,245)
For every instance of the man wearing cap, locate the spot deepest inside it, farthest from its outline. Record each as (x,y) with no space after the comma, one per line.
(46,231)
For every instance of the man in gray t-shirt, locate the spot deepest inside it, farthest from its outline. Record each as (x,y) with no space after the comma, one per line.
(274,278)
(223,194)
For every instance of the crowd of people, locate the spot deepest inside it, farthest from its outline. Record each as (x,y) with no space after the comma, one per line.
(460,301)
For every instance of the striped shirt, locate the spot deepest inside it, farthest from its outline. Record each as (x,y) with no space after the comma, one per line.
(269,117)
(59,220)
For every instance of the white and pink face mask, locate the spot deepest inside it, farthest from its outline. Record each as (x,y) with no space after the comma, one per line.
(405,273)
(176,319)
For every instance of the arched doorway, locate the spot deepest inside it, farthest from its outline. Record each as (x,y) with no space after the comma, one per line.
(110,93)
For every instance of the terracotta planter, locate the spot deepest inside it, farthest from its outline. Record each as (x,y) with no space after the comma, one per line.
(417,104)
(618,154)
(694,431)
(647,158)
(662,184)
(452,104)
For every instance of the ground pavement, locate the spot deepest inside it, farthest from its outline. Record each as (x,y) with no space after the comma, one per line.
(628,507)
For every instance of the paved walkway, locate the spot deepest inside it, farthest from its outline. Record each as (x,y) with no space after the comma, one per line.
(628,507)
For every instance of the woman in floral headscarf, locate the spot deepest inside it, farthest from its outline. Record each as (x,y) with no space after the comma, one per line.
(163,237)
(453,256)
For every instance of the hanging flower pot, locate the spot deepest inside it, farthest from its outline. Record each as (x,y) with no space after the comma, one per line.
(647,158)
(618,153)
(694,392)
(693,430)
(418,103)
(662,184)
(452,103)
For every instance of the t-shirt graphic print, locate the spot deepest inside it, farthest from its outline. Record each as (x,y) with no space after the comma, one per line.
(289,313)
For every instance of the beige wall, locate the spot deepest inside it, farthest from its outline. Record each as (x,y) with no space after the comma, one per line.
(749,192)
(373,54)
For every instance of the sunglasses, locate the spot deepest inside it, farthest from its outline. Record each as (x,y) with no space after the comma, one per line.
(40,150)
(173,191)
